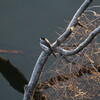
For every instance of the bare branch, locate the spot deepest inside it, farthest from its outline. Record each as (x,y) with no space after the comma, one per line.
(30,88)
(81,46)
(72,24)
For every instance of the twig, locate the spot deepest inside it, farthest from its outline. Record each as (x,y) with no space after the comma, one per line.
(54,80)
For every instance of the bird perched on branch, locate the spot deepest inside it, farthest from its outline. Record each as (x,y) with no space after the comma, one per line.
(46,45)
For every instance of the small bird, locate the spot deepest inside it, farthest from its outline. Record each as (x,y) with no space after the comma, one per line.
(46,45)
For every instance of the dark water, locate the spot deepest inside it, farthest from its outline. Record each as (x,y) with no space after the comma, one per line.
(22,23)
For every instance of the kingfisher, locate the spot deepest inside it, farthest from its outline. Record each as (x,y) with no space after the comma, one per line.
(46,45)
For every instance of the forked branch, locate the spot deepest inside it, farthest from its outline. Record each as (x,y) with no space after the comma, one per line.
(81,46)
(30,88)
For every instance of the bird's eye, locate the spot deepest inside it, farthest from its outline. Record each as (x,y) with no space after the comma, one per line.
(42,38)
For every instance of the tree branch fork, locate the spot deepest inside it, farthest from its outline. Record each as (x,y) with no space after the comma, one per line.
(30,88)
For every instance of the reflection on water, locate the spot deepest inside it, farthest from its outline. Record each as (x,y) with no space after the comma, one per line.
(8,49)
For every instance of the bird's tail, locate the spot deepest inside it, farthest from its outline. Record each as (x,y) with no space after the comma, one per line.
(54,54)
